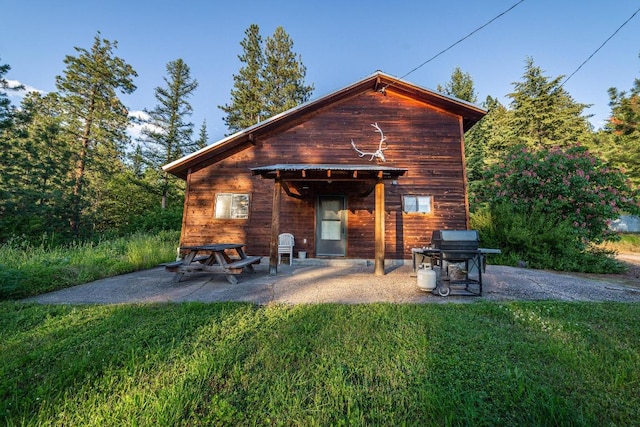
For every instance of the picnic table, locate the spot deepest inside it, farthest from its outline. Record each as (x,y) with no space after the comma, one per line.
(213,258)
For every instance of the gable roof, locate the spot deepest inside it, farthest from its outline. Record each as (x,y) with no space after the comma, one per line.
(377,81)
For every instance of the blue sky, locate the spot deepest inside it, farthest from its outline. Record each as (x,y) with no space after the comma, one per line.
(340,42)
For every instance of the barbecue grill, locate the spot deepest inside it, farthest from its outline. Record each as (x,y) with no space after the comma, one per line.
(455,240)
(460,260)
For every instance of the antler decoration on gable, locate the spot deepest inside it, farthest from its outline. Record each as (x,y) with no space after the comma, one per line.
(378,153)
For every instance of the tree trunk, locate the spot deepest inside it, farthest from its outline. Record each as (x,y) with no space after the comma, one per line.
(76,206)
(165,190)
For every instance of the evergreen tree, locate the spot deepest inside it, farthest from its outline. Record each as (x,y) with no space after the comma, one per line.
(247,105)
(625,111)
(270,82)
(5,102)
(495,129)
(95,119)
(5,123)
(168,134)
(37,171)
(543,114)
(620,140)
(137,161)
(461,86)
(485,144)
(6,156)
(203,136)
(283,75)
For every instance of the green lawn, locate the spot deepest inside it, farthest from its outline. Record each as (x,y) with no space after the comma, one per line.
(544,363)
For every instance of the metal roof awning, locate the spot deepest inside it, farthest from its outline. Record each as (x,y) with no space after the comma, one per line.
(304,181)
(327,172)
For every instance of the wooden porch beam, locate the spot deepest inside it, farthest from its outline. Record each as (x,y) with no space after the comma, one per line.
(290,193)
(333,178)
(275,228)
(379,231)
(368,191)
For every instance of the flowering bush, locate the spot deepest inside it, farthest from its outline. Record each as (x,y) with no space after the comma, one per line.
(569,184)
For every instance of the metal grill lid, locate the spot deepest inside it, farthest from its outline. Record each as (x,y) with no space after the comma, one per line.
(456,235)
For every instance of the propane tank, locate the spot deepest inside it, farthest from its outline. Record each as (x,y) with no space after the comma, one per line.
(426,278)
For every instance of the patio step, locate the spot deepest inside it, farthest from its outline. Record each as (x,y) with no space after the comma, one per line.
(347,262)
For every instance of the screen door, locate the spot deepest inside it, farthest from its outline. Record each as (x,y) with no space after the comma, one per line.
(331,230)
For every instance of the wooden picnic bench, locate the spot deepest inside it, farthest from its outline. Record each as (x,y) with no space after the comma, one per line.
(216,260)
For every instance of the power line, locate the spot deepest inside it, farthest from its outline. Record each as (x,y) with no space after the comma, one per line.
(462,39)
(600,47)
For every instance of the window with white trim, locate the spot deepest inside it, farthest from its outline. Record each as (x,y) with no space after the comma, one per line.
(417,204)
(232,206)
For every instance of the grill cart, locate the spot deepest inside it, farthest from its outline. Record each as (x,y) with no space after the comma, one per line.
(459,259)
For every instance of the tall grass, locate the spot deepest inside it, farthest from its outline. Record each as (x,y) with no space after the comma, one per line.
(27,269)
(629,242)
(543,363)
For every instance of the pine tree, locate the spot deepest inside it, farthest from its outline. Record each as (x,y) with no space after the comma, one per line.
(168,134)
(7,156)
(246,108)
(619,142)
(37,171)
(203,136)
(95,118)
(283,75)
(543,114)
(485,144)
(272,81)
(461,86)
(5,124)
(5,102)
(625,111)
(34,165)
(137,161)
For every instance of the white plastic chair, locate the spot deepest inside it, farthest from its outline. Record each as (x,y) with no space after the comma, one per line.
(285,246)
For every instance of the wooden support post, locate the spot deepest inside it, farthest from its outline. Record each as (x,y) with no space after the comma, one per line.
(379,232)
(275,228)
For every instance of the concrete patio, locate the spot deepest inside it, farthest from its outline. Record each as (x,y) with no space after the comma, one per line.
(348,282)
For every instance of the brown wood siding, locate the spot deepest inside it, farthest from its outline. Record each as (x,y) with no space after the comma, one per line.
(425,140)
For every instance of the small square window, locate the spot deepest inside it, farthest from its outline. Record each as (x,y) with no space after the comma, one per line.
(232,206)
(417,204)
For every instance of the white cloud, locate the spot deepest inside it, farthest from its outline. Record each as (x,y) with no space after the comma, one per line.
(135,129)
(22,92)
(139,114)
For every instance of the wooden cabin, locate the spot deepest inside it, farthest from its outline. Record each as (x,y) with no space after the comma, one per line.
(367,171)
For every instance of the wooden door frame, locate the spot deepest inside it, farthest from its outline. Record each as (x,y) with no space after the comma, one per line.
(344,225)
